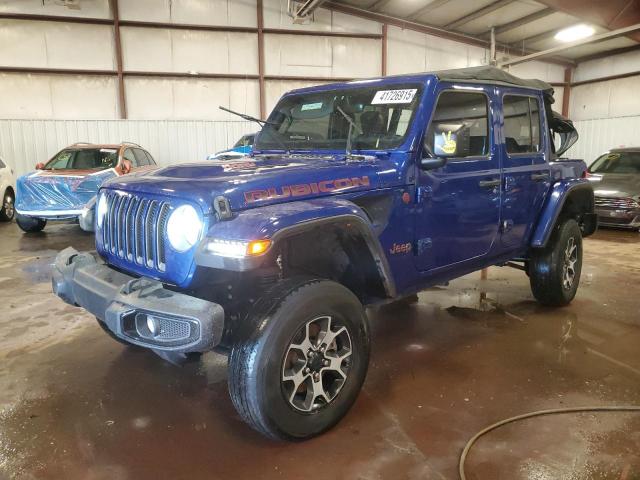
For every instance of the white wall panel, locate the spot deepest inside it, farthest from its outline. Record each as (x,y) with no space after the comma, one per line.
(87,8)
(410,52)
(274,89)
(153,98)
(57,96)
(599,135)
(604,67)
(26,43)
(276,16)
(322,56)
(23,143)
(196,12)
(153,49)
(549,72)
(615,98)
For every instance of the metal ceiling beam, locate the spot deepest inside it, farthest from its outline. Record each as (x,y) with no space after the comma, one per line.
(522,21)
(307,8)
(423,28)
(552,51)
(486,10)
(427,8)
(534,38)
(379,4)
(608,53)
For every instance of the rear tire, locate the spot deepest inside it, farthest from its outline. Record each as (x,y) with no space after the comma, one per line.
(7,208)
(30,224)
(554,271)
(284,381)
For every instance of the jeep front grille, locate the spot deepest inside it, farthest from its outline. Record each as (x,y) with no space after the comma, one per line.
(134,227)
(618,203)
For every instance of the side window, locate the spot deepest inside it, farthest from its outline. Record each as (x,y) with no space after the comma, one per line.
(150,159)
(534,106)
(521,124)
(128,155)
(460,125)
(140,157)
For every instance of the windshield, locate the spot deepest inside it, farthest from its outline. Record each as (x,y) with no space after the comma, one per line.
(245,141)
(617,162)
(84,159)
(313,121)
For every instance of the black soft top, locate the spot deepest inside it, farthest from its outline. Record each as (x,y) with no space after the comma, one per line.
(488,74)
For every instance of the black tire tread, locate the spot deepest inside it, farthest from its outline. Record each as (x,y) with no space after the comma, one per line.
(239,358)
(243,396)
(3,216)
(544,281)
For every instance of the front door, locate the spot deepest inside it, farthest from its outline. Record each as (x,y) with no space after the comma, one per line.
(525,166)
(458,211)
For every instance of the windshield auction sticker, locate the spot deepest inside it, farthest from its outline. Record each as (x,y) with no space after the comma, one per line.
(393,96)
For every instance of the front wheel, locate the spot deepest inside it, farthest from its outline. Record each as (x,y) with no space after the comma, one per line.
(301,359)
(30,224)
(7,209)
(554,271)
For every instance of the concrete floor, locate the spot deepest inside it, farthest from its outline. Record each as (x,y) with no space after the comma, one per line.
(76,405)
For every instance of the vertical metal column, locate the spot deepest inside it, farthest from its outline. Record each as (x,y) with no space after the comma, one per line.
(568,77)
(385,32)
(260,12)
(118,44)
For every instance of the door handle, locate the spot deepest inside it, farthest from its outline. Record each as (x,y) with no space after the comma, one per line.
(539,177)
(490,183)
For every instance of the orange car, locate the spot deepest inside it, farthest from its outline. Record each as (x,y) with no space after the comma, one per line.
(65,187)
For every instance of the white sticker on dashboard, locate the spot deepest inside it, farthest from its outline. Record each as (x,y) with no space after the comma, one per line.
(394,96)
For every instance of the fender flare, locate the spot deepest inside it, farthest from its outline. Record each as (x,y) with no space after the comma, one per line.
(280,221)
(553,206)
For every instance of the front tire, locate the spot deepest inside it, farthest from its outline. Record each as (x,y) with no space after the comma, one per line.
(30,224)
(300,359)
(554,271)
(7,209)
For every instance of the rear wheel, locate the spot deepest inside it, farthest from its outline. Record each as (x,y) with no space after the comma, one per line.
(7,210)
(554,271)
(301,359)
(30,224)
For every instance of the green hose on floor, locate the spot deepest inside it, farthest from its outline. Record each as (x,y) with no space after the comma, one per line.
(539,413)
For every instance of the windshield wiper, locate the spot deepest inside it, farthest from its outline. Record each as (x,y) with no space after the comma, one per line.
(352,126)
(262,123)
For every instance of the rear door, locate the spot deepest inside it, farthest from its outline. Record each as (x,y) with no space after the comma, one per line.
(525,165)
(458,210)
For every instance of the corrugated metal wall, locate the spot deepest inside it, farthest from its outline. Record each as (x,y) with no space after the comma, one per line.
(602,134)
(23,143)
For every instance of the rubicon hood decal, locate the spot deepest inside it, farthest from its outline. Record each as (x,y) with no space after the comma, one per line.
(304,189)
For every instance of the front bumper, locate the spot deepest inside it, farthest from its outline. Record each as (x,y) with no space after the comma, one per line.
(621,218)
(138,310)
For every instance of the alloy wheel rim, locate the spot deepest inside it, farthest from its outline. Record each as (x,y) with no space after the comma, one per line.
(569,263)
(8,206)
(316,364)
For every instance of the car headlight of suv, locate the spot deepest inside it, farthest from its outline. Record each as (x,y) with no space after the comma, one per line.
(184,228)
(101,209)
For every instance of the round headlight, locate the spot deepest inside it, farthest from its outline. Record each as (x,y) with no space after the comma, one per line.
(184,228)
(101,209)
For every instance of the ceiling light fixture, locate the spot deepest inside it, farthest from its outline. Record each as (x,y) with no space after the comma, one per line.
(572,34)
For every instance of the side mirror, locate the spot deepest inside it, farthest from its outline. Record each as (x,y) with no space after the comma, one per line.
(431,163)
(429,160)
(39,166)
(125,167)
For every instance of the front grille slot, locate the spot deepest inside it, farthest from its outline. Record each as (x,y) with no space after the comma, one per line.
(134,229)
(618,203)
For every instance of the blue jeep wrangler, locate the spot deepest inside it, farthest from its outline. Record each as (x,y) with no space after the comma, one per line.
(355,194)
